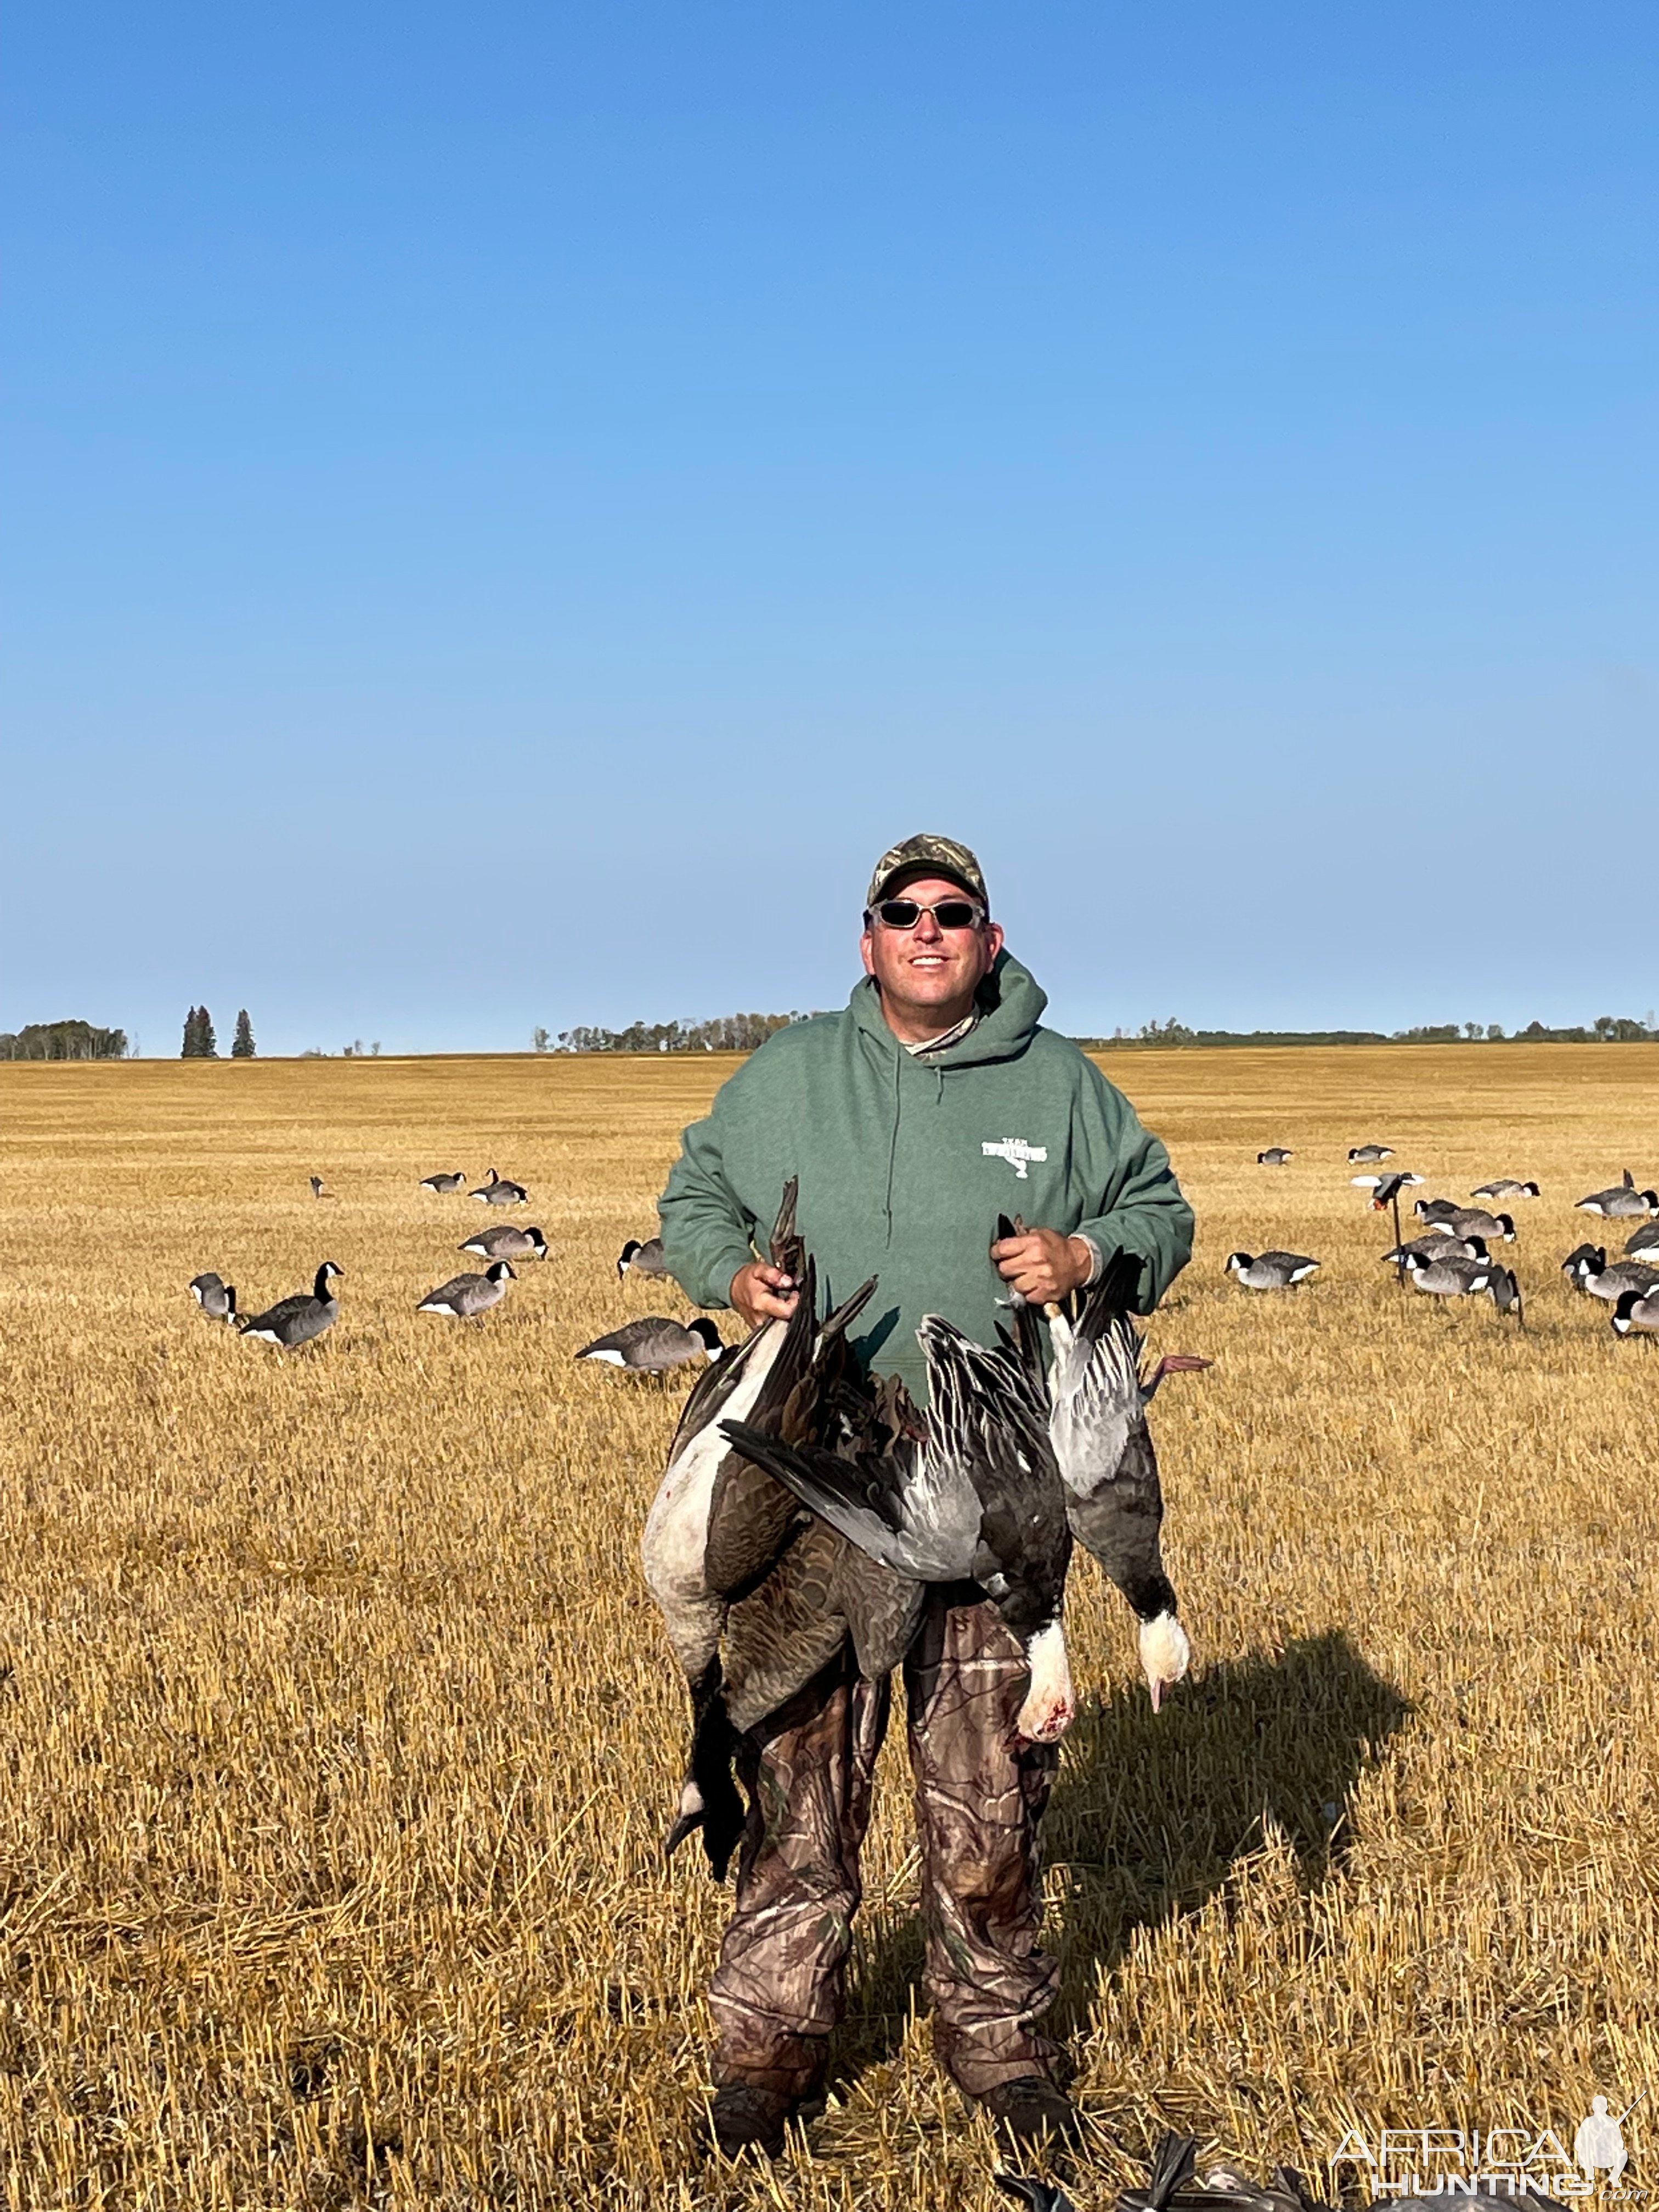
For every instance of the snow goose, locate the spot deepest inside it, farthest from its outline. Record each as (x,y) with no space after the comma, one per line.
(217,1298)
(1276,1156)
(978,1498)
(1269,1271)
(297,1319)
(1506,1187)
(444,1183)
(1635,1313)
(645,1259)
(509,1242)
(469,1297)
(653,1345)
(497,1190)
(1623,1202)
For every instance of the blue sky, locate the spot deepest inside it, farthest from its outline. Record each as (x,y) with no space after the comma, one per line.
(508,510)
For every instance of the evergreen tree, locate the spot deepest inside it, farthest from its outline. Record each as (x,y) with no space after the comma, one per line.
(208,1043)
(192,1046)
(243,1047)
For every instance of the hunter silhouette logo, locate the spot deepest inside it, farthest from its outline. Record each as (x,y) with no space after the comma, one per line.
(1015,1150)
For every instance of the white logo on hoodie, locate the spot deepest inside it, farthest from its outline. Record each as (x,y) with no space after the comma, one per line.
(1015,1150)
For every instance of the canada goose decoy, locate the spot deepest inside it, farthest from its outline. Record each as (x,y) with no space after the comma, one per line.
(1475,1221)
(1467,1279)
(1098,1394)
(645,1259)
(1401,1179)
(979,1498)
(1440,1211)
(1506,1187)
(1370,1153)
(319,1190)
(1643,1243)
(1622,1203)
(1588,1270)
(497,1190)
(653,1345)
(1276,1156)
(217,1298)
(509,1241)
(1637,1313)
(469,1297)
(1269,1271)
(1437,1245)
(297,1319)
(444,1183)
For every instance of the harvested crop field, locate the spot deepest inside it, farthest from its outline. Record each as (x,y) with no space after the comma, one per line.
(340,1736)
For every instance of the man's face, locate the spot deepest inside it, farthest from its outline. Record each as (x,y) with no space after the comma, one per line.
(928,976)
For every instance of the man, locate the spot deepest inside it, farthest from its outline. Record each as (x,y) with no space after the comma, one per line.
(934,1103)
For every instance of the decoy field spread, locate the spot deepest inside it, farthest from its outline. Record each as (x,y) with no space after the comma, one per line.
(341,1733)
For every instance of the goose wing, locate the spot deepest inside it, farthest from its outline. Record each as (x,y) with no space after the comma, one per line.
(284,1311)
(902,1507)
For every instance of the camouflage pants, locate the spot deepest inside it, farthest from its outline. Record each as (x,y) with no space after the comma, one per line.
(780,1985)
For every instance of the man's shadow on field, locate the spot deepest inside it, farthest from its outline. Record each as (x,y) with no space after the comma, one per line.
(1151,1813)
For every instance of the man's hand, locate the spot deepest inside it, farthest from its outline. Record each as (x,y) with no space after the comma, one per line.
(761,1292)
(1041,1264)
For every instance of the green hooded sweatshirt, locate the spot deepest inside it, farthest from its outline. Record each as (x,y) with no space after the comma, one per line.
(904,1164)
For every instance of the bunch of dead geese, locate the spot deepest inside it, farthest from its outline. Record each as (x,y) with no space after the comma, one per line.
(1454,1258)
(808,1506)
(308,1314)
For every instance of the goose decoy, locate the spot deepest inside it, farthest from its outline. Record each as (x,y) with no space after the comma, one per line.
(1276,1156)
(653,1345)
(1637,1313)
(978,1498)
(1506,1187)
(1437,1245)
(1440,1211)
(217,1298)
(1588,1270)
(497,1190)
(1269,1271)
(1098,1394)
(297,1319)
(469,1297)
(1401,1179)
(509,1241)
(1370,1153)
(1475,1221)
(444,1183)
(319,1189)
(645,1259)
(1643,1243)
(1622,1203)
(1467,1279)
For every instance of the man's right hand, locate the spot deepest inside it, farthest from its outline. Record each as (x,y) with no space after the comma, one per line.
(761,1293)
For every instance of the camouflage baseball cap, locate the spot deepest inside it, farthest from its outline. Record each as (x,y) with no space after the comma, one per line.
(926,856)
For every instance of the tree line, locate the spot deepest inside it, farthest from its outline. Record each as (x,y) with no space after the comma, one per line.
(1607,1029)
(725,1033)
(202,1043)
(63,1040)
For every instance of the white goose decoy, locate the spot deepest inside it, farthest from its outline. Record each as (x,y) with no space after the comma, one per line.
(298,1320)
(1635,1314)
(654,1344)
(1623,1202)
(1506,1187)
(1370,1153)
(1276,1156)
(217,1298)
(645,1259)
(1269,1271)
(444,1183)
(1587,1269)
(980,1499)
(497,1190)
(1466,1278)
(509,1242)
(469,1297)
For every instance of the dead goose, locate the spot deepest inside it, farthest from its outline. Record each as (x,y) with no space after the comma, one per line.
(217,1298)
(444,1183)
(645,1259)
(297,1319)
(1467,1279)
(1370,1153)
(497,1190)
(1506,1187)
(469,1297)
(1622,1203)
(1269,1271)
(509,1241)
(1636,1313)
(1276,1156)
(653,1345)
(1588,1270)
(1437,1245)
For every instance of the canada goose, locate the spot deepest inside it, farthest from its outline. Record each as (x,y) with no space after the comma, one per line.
(980,1499)
(1475,1221)
(469,1297)
(1643,1243)
(444,1183)
(297,1319)
(1276,1156)
(1622,1202)
(1588,1270)
(217,1298)
(1437,1245)
(653,1345)
(496,1190)
(1506,1187)
(1370,1152)
(645,1259)
(1269,1271)
(1438,1210)
(1636,1312)
(1467,1279)
(509,1242)
(319,1189)
(1401,1179)
(1098,1395)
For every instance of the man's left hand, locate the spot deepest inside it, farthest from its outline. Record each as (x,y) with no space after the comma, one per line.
(1041,1265)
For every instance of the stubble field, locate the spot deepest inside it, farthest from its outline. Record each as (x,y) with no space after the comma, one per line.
(339,1735)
